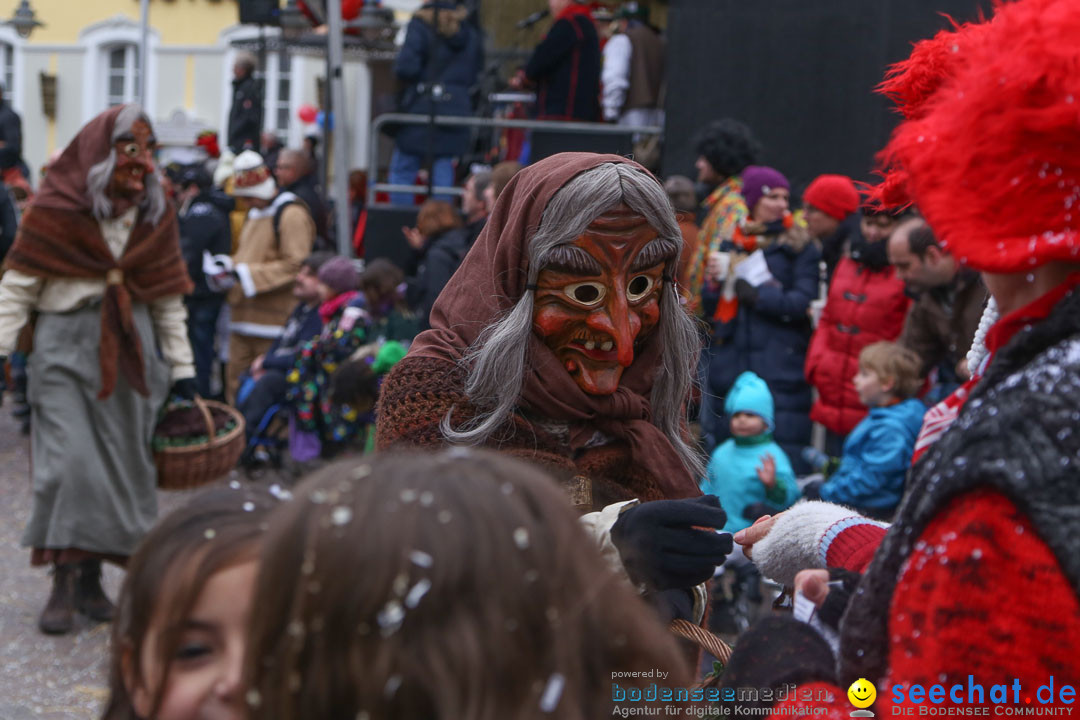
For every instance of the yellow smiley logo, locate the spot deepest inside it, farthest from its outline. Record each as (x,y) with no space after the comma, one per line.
(862,693)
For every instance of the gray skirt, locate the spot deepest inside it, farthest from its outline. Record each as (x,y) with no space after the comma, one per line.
(95,487)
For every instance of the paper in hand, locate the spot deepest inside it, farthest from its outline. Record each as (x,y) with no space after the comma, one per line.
(754,269)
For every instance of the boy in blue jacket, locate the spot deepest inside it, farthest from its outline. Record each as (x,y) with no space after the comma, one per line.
(877,453)
(749,468)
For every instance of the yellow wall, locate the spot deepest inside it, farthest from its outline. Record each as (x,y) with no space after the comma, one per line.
(178,22)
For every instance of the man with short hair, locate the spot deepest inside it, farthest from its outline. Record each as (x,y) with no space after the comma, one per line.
(277,235)
(245,115)
(295,173)
(949,301)
(474,204)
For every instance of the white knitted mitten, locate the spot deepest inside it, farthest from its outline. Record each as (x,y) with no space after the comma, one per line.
(796,540)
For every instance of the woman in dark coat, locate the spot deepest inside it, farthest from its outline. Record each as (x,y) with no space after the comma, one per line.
(760,319)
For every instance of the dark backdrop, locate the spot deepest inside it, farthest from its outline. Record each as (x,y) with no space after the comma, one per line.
(800,73)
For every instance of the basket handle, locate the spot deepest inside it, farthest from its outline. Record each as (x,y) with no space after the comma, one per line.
(209,419)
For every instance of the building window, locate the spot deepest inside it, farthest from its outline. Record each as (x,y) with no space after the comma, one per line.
(284,78)
(122,79)
(275,82)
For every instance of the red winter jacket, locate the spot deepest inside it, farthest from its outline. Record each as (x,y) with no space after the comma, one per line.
(863,307)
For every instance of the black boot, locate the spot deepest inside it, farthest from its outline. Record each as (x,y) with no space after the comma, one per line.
(58,617)
(90,598)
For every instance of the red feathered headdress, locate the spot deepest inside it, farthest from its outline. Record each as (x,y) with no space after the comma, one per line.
(992,156)
(911,83)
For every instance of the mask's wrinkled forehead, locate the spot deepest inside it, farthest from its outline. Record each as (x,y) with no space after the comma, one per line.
(610,233)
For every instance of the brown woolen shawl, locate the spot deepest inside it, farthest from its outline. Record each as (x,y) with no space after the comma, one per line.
(490,282)
(60,238)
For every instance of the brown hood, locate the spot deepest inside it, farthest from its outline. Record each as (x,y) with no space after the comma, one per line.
(490,282)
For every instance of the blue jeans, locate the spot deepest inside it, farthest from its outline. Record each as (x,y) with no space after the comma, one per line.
(403,169)
(202,328)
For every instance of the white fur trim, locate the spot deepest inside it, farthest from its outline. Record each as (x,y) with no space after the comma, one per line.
(247,283)
(794,542)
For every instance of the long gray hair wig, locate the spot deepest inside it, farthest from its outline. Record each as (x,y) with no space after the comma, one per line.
(496,362)
(100,175)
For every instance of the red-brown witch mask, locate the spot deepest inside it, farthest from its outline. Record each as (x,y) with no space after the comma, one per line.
(599,297)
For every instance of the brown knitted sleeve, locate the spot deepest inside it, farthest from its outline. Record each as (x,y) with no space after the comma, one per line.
(415,396)
(418,393)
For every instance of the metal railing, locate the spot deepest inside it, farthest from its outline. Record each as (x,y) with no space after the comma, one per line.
(584,128)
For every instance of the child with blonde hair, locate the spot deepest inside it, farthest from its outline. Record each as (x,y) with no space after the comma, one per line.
(877,453)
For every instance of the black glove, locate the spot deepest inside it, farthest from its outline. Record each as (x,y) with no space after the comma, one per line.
(185,389)
(746,293)
(836,601)
(3,377)
(775,651)
(812,490)
(660,547)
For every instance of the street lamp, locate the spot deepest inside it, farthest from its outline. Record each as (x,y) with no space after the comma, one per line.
(23,20)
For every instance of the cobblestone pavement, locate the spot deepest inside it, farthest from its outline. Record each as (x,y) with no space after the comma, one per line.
(43,677)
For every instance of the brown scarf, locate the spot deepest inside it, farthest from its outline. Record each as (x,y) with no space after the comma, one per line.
(60,238)
(492,279)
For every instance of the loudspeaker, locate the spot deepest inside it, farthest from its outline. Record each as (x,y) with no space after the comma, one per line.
(382,234)
(259,12)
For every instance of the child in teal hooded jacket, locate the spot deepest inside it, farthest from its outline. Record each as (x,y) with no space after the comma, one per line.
(749,467)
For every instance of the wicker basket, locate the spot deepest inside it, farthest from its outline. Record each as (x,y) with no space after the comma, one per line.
(183,468)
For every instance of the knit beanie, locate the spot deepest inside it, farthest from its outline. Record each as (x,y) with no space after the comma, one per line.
(750,394)
(253,178)
(834,195)
(339,274)
(758,180)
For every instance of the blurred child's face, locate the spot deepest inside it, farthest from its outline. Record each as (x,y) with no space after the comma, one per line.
(204,681)
(744,424)
(872,390)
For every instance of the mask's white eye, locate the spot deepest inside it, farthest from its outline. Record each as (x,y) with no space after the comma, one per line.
(639,287)
(586,293)
(131,149)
